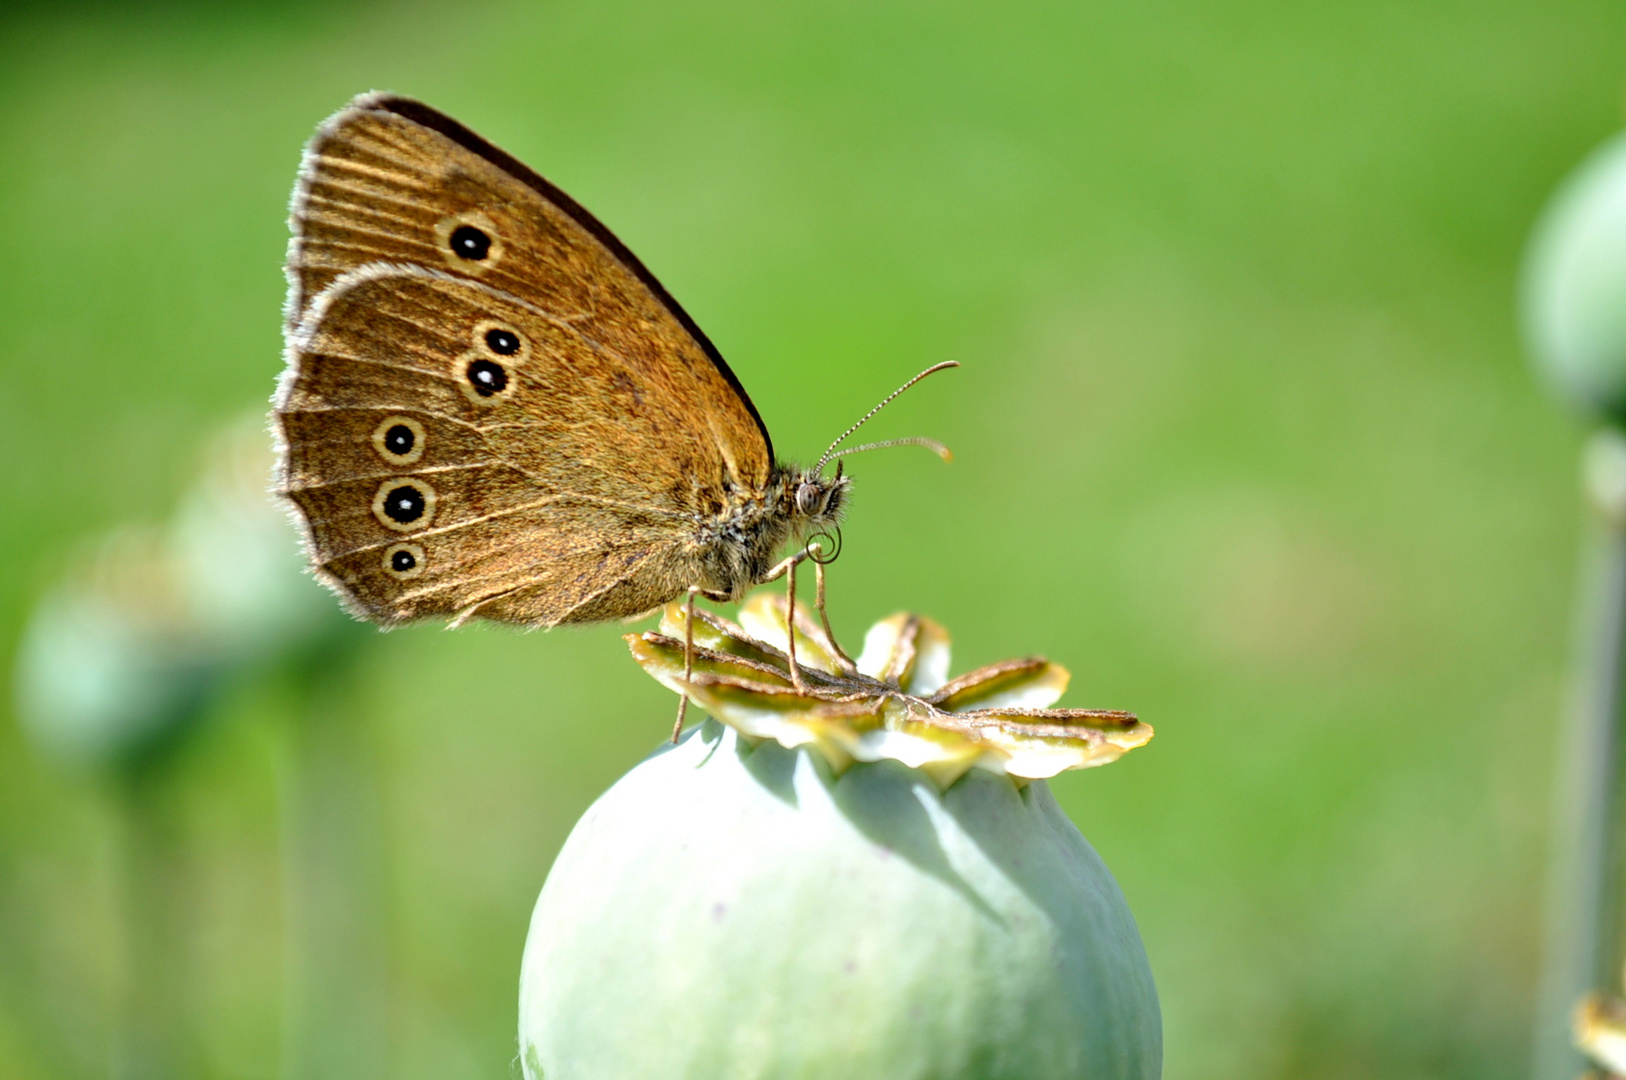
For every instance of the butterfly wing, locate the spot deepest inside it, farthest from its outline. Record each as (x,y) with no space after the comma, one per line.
(454,450)
(389,179)
(571,492)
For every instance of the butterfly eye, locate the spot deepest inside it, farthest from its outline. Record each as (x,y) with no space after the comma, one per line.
(470,243)
(807,499)
(487,377)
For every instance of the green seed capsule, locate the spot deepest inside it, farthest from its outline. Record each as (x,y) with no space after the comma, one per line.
(730,911)
(1574,289)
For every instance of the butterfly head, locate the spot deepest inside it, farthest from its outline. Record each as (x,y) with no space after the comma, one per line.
(819,500)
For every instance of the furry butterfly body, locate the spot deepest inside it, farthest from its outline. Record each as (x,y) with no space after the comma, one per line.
(492,409)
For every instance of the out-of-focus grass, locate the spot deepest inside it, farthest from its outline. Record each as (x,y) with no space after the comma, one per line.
(1243,437)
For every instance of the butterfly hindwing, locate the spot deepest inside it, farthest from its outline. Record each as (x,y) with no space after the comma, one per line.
(456,451)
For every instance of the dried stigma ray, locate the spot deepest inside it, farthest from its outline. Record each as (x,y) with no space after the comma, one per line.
(899,704)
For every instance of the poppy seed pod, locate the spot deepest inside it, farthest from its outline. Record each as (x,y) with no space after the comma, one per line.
(125,653)
(1574,287)
(746,905)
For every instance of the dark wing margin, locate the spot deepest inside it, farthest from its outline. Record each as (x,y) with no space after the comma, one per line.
(422,114)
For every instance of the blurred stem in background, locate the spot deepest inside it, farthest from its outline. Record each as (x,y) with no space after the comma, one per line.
(336,1025)
(1583,939)
(1574,314)
(154,1039)
(114,676)
(121,665)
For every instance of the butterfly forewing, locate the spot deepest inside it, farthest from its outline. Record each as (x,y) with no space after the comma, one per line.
(391,180)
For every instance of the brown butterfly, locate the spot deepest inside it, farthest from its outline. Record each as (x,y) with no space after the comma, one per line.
(492,409)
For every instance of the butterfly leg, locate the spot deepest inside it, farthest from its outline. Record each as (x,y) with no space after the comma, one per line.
(790,625)
(824,618)
(688,663)
(788,568)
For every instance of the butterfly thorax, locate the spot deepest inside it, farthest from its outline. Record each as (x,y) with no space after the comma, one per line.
(742,543)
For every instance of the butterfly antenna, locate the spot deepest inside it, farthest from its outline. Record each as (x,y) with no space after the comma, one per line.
(830,453)
(915,440)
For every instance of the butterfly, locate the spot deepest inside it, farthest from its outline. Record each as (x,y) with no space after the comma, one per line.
(491,408)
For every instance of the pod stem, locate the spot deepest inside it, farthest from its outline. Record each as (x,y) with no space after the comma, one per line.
(334,874)
(1585,932)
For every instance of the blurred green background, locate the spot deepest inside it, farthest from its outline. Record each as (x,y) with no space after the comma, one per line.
(1244,436)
